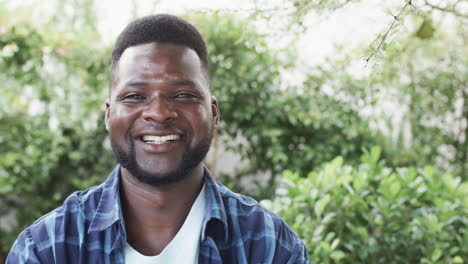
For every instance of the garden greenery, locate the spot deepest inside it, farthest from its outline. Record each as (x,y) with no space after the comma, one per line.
(370,213)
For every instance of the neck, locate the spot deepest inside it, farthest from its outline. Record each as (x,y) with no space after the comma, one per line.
(151,211)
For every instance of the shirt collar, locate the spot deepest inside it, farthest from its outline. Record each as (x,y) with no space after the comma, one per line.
(109,209)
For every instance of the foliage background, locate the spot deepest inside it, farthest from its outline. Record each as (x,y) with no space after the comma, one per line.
(372,213)
(411,101)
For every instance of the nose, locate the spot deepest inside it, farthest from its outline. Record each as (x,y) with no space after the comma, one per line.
(159,110)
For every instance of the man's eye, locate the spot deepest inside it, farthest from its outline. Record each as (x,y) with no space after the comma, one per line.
(134,97)
(184,95)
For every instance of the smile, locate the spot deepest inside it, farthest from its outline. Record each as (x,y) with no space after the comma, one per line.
(159,139)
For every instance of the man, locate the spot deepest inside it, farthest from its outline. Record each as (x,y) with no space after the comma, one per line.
(160,204)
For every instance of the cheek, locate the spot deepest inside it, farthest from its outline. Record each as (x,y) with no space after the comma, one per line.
(120,120)
(203,121)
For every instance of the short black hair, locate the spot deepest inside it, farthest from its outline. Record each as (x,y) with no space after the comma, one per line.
(160,28)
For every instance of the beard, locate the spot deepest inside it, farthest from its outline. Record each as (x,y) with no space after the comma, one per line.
(191,158)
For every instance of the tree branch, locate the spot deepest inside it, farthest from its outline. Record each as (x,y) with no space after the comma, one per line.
(384,37)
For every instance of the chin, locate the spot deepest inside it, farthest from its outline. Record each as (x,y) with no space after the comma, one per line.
(156,169)
(154,176)
(158,179)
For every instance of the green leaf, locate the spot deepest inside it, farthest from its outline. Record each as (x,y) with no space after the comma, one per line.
(458,260)
(436,254)
(337,255)
(426,30)
(335,243)
(321,204)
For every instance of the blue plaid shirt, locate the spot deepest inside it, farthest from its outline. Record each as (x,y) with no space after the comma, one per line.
(89,228)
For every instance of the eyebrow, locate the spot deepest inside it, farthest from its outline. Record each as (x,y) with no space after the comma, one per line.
(174,83)
(135,84)
(183,83)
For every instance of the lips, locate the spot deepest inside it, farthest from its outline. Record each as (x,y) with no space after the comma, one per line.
(152,139)
(159,141)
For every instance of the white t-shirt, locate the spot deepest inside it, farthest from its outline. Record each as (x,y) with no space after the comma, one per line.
(184,247)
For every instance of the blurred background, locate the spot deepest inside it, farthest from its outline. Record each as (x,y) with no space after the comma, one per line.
(349,118)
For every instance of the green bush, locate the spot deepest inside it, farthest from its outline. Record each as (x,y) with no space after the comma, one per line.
(374,214)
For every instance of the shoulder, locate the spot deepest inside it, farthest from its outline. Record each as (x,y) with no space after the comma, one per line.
(260,228)
(68,220)
(23,250)
(79,206)
(244,207)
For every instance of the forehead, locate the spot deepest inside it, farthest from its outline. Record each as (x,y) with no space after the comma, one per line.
(159,60)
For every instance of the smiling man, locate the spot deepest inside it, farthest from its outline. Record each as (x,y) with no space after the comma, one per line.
(160,204)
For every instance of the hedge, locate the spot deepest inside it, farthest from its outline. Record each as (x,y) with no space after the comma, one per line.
(371,213)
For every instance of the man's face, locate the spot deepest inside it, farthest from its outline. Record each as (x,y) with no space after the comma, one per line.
(160,114)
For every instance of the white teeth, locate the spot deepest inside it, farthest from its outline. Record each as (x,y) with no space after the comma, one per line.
(159,140)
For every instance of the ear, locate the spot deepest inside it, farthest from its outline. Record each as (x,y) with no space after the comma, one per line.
(107,115)
(215,110)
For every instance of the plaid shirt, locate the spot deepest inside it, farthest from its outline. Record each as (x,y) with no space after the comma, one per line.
(89,228)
